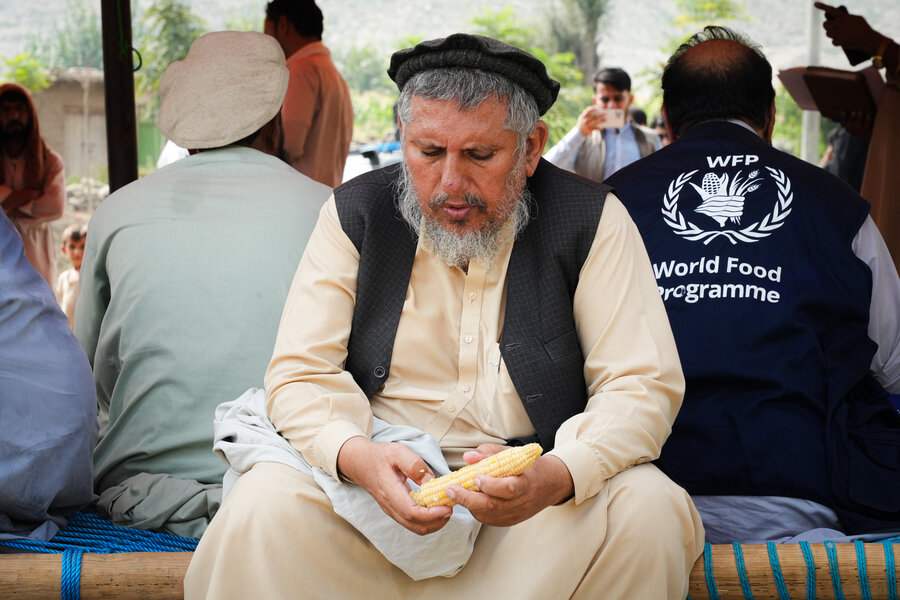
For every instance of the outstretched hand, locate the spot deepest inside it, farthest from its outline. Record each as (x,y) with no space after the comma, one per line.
(505,501)
(382,469)
(852,32)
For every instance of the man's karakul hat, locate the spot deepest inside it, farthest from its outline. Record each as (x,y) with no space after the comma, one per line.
(477,52)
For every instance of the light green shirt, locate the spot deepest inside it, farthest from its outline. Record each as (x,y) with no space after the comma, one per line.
(184,278)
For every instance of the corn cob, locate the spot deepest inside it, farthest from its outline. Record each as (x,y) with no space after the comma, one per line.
(512,461)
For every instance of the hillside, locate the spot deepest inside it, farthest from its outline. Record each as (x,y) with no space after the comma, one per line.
(633,30)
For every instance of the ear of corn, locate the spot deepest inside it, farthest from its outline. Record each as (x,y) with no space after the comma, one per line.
(512,461)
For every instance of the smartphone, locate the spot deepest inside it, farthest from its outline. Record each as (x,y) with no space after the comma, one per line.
(615,117)
(854,56)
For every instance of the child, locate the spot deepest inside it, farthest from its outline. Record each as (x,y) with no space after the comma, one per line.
(67,285)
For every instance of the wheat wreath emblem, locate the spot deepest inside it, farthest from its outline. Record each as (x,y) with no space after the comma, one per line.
(752,233)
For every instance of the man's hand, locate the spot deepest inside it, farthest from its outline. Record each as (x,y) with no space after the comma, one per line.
(849,31)
(589,120)
(382,470)
(504,501)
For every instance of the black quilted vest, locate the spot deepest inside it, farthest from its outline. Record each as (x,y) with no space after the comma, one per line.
(538,342)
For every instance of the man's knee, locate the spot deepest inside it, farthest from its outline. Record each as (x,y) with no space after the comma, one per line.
(644,494)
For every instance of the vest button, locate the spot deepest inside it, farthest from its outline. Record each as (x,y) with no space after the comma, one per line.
(378,372)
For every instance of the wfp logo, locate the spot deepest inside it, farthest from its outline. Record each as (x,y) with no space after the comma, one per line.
(722,200)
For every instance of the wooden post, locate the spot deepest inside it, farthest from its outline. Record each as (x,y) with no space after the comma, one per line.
(794,572)
(132,575)
(118,79)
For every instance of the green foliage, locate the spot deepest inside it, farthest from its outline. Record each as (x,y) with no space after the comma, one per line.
(561,66)
(245,20)
(164,34)
(571,26)
(364,69)
(77,42)
(373,115)
(27,71)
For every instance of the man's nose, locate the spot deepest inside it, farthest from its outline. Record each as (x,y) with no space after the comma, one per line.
(452,176)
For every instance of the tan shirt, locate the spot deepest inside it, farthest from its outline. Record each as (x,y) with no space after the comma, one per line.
(447,376)
(317,115)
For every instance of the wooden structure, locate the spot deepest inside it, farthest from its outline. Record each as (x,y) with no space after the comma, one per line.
(852,572)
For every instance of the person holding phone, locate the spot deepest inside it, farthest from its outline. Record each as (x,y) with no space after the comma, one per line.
(604,140)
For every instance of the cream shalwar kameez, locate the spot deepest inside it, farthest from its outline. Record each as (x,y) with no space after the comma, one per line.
(627,533)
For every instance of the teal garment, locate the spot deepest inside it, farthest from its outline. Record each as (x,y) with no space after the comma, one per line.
(184,279)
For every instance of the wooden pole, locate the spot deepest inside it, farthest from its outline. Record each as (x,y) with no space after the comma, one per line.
(794,572)
(131,575)
(160,575)
(118,79)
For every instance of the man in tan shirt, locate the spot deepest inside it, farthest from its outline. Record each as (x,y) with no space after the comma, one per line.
(317,112)
(476,293)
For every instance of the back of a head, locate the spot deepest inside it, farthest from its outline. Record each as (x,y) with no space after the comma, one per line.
(717,74)
(613,77)
(304,15)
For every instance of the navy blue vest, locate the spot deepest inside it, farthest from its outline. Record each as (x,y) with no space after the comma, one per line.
(538,343)
(751,249)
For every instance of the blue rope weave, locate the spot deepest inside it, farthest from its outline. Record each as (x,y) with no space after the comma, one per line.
(833,568)
(709,573)
(775,563)
(890,567)
(861,570)
(70,584)
(742,570)
(806,549)
(88,532)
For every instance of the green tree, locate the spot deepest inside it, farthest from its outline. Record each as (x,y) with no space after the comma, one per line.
(76,42)
(27,71)
(164,34)
(562,66)
(364,69)
(572,26)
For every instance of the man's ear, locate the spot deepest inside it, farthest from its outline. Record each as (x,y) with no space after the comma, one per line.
(665,116)
(770,126)
(534,147)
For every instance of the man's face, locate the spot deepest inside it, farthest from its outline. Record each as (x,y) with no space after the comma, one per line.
(14,118)
(460,163)
(606,96)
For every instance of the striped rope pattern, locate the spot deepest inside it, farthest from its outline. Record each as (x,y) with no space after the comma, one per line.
(776,571)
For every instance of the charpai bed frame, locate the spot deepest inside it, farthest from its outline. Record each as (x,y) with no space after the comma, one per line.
(92,559)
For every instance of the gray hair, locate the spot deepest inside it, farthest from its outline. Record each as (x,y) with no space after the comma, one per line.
(469,88)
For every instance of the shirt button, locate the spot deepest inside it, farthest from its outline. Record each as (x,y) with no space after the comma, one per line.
(468,339)
(450,408)
(465,388)
(472,295)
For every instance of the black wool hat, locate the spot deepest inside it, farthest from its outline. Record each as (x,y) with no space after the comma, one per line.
(477,52)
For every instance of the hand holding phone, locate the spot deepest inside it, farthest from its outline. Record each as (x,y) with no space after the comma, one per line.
(831,12)
(610,118)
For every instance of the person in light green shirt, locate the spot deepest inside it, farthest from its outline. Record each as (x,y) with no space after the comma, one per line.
(184,279)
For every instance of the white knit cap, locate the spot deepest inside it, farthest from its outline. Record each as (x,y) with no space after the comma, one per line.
(230,84)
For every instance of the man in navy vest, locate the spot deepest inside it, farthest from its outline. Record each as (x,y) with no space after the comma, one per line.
(474,293)
(783,301)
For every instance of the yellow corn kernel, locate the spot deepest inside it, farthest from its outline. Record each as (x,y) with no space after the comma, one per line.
(512,461)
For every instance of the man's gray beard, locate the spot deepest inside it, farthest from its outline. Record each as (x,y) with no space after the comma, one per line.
(458,249)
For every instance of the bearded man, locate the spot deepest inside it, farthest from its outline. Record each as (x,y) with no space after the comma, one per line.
(480,295)
(32,184)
